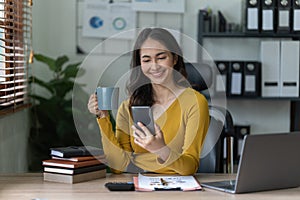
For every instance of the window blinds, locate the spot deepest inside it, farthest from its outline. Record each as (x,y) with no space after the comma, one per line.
(15,52)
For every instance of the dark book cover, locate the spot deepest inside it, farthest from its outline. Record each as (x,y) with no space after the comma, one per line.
(74,171)
(73,151)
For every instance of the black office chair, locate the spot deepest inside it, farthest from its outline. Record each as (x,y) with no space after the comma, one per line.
(200,76)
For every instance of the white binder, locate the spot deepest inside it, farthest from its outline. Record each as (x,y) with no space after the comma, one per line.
(289,64)
(270,60)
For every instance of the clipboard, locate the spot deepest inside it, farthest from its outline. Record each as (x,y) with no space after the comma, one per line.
(165,183)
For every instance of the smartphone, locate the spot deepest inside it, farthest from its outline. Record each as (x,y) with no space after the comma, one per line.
(143,114)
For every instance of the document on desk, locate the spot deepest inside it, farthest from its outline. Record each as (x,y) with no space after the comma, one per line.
(161,183)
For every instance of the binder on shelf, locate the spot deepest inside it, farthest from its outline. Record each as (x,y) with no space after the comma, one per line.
(284,17)
(270,63)
(222,22)
(214,23)
(252,78)
(206,17)
(253,16)
(236,82)
(240,132)
(296,15)
(221,81)
(268,15)
(289,63)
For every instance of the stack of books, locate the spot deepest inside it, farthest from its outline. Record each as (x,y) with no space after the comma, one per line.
(74,164)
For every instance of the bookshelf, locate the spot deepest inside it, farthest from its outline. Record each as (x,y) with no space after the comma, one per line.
(294,101)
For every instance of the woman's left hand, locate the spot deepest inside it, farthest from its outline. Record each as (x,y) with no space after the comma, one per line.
(153,143)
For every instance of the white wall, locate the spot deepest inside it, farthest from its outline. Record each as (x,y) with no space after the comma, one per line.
(55,34)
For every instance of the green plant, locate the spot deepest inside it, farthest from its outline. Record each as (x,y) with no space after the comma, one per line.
(52,120)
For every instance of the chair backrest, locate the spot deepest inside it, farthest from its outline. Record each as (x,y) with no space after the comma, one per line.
(200,77)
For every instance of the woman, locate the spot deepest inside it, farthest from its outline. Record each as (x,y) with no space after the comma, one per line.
(180,113)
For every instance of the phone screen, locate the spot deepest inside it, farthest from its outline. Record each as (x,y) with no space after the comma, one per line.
(143,114)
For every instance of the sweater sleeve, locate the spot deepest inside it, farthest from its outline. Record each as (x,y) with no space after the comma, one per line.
(116,146)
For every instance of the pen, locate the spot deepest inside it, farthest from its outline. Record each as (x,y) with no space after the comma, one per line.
(163,182)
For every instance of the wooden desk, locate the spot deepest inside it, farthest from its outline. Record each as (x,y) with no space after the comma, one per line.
(32,187)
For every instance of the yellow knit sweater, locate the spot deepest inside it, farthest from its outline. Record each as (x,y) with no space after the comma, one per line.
(184,126)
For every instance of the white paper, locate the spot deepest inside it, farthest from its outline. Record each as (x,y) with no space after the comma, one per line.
(236,83)
(95,16)
(267,22)
(174,6)
(250,83)
(284,18)
(152,182)
(122,19)
(296,20)
(103,20)
(221,83)
(252,20)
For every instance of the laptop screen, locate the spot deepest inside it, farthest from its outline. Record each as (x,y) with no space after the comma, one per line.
(268,162)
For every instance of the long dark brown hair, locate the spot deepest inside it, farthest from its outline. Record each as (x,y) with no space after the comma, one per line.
(139,86)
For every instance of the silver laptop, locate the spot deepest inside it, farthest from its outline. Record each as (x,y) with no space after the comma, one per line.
(268,162)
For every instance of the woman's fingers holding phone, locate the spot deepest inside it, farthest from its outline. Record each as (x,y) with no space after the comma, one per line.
(138,131)
(146,131)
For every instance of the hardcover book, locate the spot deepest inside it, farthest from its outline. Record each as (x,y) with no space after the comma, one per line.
(80,158)
(64,178)
(70,164)
(74,171)
(73,151)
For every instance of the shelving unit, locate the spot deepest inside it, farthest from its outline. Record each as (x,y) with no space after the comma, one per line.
(294,36)
(294,101)
(202,34)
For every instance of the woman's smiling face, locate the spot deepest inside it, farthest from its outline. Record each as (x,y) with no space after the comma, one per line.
(157,62)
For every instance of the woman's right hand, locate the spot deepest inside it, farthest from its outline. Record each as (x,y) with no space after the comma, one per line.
(93,107)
